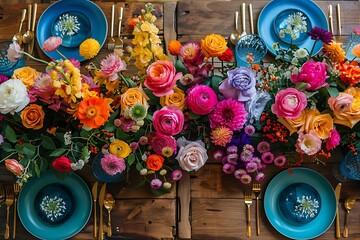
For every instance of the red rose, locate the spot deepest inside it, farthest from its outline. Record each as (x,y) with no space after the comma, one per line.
(62,164)
(226,56)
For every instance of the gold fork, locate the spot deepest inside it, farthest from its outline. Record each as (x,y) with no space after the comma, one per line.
(8,202)
(248,202)
(17,189)
(256,189)
(119,44)
(2,193)
(111,42)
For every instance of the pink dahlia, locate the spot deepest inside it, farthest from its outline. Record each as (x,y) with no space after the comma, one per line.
(333,141)
(230,113)
(111,65)
(201,99)
(112,164)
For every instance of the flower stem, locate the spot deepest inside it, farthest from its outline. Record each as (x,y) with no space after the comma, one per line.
(34,58)
(312,49)
(62,55)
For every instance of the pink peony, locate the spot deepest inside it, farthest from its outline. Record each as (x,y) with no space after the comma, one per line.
(52,43)
(289,103)
(161,78)
(14,166)
(201,99)
(111,65)
(169,120)
(308,143)
(230,113)
(312,73)
(112,164)
(333,141)
(160,141)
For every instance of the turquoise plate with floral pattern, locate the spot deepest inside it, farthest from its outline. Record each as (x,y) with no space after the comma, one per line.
(53,208)
(301,183)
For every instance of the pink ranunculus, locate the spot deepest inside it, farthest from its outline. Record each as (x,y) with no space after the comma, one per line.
(13,52)
(52,43)
(312,73)
(341,103)
(169,120)
(160,141)
(161,77)
(111,65)
(14,166)
(308,143)
(289,103)
(201,99)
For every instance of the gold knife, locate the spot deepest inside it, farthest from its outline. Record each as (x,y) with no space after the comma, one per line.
(94,194)
(101,204)
(337,220)
(32,42)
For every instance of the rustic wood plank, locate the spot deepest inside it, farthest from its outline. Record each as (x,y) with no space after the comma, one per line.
(184,196)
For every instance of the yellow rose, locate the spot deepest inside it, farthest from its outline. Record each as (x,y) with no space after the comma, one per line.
(27,75)
(214,45)
(33,117)
(177,99)
(132,96)
(119,148)
(321,124)
(293,124)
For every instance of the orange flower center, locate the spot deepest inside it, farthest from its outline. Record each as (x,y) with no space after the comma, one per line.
(91,112)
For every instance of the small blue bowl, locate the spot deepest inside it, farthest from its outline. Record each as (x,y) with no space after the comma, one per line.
(100,173)
(250,43)
(6,66)
(350,165)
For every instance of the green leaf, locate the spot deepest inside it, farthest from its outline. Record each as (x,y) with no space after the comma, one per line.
(6,147)
(160,191)
(139,166)
(301,86)
(215,82)
(57,153)
(36,169)
(180,67)
(109,127)
(26,149)
(47,142)
(140,184)
(10,134)
(333,92)
(131,159)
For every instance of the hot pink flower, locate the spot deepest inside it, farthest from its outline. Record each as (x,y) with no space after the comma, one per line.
(267,157)
(230,113)
(308,143)
(52,43)
(161,78)
(191,53)
(160,141)
(112,164)
(14,166)
(289,103)
(111,65)
(201,99)
(280,160)
(333,141)
(312,73)
(169,120)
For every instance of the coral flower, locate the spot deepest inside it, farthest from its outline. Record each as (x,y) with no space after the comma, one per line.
(356,51)
(89,48)
(174,47)
(334,52)
(221,135)
(93,112)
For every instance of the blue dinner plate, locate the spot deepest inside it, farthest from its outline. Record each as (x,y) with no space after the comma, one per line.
(72,189)
(281,223)
(90,22)
(274,9)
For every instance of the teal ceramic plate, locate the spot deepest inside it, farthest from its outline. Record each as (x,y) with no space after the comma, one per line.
(71,193)
(269,19)
(305,230)
(87,21)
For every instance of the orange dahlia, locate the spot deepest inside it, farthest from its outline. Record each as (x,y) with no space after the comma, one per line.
(350,72)
(93,112)
(221,136)
(334,52)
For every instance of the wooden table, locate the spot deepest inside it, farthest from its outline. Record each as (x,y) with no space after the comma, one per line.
(206,204)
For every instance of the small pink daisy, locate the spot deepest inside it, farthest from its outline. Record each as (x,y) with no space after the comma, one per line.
(260,176)
(267,157)
(218,154)
(112,164)
(263,147)
(239,172)
(246,156)
(280,160)
(251,167)
(228,168)
(249,130)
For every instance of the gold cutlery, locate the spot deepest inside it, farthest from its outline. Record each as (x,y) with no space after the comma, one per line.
(248,202)
(27,35)
(94,195)
(331,22)
(101,204)
(337,220)
(2,193)
(243,19)
(9,201)
(109,204)
(235,34)
(256,189)
(32,41)
(111,41)
(17,189)
(18,37)
(119,44)
(349,204)
(338,13)
(251,19)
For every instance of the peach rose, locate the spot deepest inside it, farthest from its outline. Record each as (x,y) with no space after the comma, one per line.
(320,124)
(293,124)
(214,45)
(177,99)
(14,166)
(132,96)
(33,117)
(154,162)
(27,75)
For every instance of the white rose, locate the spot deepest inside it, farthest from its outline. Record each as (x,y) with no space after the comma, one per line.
(192,155)
(13,96)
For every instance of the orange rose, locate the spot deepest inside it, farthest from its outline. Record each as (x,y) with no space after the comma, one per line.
(214,45)
(14,166)
(27,75)
(154,162)
(132,96)
(174,47)
(321,124)
(293,124)
(177,99)
(33,117)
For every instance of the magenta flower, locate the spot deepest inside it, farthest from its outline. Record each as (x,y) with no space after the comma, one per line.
(3,78)
(239,172)
(228,168)
(289,103)
(127,124)
(134,146)
(160,141)
(245,178)
(249,147)
(333,141)
(218,154)
(143,140)
(280,160)
(156,183)
(232,158)
(112,164)
(230,113)
(176,175)
(323,35)
(263,146)
(312,73)
(201,99)
(111,66)
(267,157)
(52,43)
(191,53)
(249,130)
(231,149)
(169,120)
(260,176)
(251,167)
(246,156)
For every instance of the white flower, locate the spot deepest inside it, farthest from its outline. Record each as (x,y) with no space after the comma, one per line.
(67,138)
(192,155)
(13,96)
(301,53)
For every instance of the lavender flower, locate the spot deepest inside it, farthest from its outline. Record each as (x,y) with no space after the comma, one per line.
(156,183)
